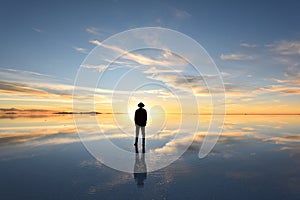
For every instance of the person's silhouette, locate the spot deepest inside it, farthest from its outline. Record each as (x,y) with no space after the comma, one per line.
(140,168)
(140,120)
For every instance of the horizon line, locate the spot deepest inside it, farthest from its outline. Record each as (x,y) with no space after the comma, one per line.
(12,111)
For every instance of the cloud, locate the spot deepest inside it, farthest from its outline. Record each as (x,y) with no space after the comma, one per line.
(292,76)
(242,91)
(186,83)
(99,68)
(286,47)
(281,89)
(167,59)
(52,96)
(144,60)
(81,50)
(288,81)
(236,57)
(95,42)
(37,30)
(284,139)
(31,86)
(38,137)
(93,30)
(248,45)
(24,72)
(155,70)
(181,14)
(37,95)
(175,145)
(19,88)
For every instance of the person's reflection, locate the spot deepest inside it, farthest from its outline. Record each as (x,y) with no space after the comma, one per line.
(140,168)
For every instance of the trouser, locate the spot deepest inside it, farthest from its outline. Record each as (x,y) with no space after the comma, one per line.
(137,131)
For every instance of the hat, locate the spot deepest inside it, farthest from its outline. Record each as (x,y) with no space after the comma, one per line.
(141,105)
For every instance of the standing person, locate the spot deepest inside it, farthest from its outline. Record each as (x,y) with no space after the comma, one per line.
(140,120)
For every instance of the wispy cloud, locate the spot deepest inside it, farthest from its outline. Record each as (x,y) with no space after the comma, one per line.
(95,42)
(281,89)
(37,30)
(284,139)
(24,89)
(286,47)
(39,136)
(155,70)
(293,74)
(181,14)
(288,81)
(93,30)
(292,77)
(236,57)
(40,90)
(187,84)
(81,50)
(99,68)
(167,58)
(46,93)
(248,45)
(24,72)
(19,88)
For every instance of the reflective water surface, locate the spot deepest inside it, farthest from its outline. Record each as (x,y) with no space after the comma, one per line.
(256,157)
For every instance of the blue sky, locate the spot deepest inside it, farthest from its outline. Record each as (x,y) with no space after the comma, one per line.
(220,26)
(256,43)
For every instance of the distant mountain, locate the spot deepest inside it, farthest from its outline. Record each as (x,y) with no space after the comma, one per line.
(10,111)
(33,113)
(81,113)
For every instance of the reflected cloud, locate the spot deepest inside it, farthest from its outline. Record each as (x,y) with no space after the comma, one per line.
(27,136)
(285,139)
(238,130)
(175,145)
(250,140)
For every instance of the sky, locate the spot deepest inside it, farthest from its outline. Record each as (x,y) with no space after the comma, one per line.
(254,44)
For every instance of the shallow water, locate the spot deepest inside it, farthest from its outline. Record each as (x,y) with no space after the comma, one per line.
(256,157)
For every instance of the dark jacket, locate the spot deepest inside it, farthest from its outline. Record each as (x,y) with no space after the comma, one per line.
(140,117)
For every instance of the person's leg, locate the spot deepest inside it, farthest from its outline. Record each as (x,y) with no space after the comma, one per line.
(143,131)
(137,131)
(143,134)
